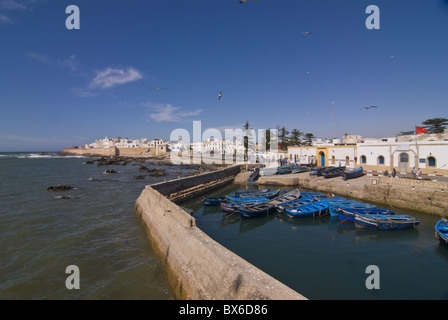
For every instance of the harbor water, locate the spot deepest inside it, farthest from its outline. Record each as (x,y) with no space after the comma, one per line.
(92,226)
(324,258)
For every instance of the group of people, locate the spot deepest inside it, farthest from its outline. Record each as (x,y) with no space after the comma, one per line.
(416,173)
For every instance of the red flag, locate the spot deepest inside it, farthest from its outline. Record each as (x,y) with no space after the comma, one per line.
(420,130)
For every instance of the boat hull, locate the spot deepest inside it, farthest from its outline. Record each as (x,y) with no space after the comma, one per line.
(442,231)
(384,222)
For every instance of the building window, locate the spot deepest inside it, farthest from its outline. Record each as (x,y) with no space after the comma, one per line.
(363,159)
(347,161)
(431,161)
(333,159)
(380,160)
(404,157)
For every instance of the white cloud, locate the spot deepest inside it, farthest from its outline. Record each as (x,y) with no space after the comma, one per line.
(169,113)
(70,62)
(5,19)
(12,5)
(111,77)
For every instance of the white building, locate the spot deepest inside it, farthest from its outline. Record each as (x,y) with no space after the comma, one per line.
(428,152)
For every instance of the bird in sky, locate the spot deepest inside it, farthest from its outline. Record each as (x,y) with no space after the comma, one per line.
(220,95)
(157,89)
(369,107)
(306,32)
(242,1)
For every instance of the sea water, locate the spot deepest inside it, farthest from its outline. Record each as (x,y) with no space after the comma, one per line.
(324,258)
(92,226)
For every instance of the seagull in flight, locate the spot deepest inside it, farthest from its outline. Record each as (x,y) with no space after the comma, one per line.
(306,32)
(220,92)
(242,1)
(157,89)
(369,107)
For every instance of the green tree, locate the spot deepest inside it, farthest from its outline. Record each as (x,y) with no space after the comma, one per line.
(294,138)
(309,139)
(435,125)
(283,138)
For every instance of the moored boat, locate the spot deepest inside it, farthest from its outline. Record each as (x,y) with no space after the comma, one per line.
(268,194)
(353,174)
(333,172)
(442,231)
(287,168)
(298,169)
(255,210)
(268,171)
(385,222)
(309,210)
(254,175)
(349,214)
(213,201)
(287,196)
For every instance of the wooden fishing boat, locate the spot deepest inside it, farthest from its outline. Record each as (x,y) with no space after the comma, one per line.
(238,193)
(268,194)
(385,222)
(255,210)
(298,169)
(232,207)
(353,174)
(287,168)
(333,172)
(309,210)
(281,207)
(233,199)
(349,214)
(442,231)
(287,196)
(213,201)
(321,170)
(254,175)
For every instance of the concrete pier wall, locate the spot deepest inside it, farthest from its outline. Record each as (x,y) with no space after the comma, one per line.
(199,267)
(425,196)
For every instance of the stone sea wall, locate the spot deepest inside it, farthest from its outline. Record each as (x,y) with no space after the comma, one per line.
(199,268)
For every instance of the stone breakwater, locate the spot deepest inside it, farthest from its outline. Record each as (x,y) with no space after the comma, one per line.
(198,267)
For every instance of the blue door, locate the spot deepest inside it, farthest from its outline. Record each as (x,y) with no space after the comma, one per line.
(322,158)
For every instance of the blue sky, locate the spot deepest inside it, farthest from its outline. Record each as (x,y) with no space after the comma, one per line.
(61,87)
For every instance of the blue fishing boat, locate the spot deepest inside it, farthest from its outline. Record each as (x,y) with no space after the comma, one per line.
(287,168)
(232,207)
(268,194)
(246,192)
(281,207)
(245,199)
(353,174)
(298,169)
(333,172)
(349,214)
(213,201)
(255,210)
(442,231)
(309,210)
(385,222)
(285,197)
(254,175)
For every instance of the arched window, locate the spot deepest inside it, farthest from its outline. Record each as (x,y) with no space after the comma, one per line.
(333,159)
(431,161)
(347,161)
(404,157)
(363,159)
(381,160)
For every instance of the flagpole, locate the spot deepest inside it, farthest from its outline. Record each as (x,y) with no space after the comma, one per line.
(416,147)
